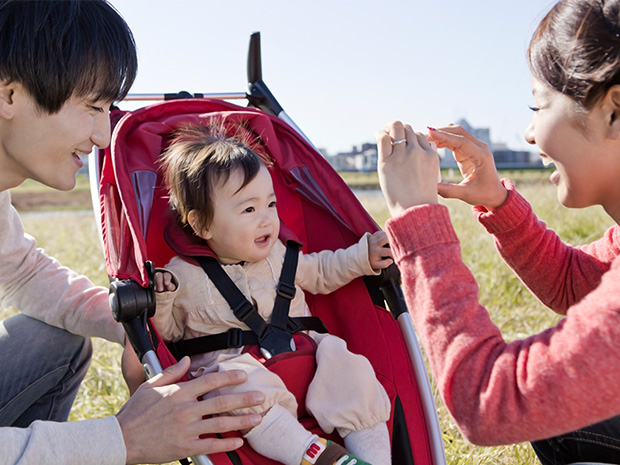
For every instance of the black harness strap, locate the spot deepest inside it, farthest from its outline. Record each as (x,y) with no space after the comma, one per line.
(273,338)
(236,337)
(285,292)
(241,307)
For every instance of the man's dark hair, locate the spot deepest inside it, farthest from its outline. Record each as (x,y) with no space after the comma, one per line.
(65,48)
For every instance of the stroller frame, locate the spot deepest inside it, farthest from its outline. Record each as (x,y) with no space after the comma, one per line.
(132,304)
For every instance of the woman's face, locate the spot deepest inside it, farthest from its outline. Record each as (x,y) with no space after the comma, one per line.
(577,143)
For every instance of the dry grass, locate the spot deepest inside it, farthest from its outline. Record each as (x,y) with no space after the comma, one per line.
(73,240)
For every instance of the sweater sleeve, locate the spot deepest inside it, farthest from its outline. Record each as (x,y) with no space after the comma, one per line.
(557,273)
(40,287)
(325,271)
(503,393)
(96,442)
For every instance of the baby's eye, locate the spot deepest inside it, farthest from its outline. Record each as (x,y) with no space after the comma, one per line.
(249,210)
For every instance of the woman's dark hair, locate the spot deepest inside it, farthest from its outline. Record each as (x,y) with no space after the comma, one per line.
(60,49)
(576,49)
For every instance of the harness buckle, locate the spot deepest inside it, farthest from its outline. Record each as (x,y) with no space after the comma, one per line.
(243,310)
(285,290)
(275,341)
(234,338)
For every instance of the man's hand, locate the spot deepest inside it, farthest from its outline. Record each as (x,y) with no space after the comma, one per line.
(163,420)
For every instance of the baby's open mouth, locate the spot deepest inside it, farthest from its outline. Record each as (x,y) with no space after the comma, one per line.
(263,239)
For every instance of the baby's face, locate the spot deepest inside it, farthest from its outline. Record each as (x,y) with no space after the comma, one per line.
(245,223)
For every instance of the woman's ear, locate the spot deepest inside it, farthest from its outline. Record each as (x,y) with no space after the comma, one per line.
(193,220)
(7,103)
(612,104)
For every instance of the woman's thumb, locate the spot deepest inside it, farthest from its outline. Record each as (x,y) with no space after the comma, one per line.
(450,191)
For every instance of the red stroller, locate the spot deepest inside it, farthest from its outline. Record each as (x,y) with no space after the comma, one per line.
(313,202)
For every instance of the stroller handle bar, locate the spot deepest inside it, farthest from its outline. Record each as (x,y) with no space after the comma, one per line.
(183,94)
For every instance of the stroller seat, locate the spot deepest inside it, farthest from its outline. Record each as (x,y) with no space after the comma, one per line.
(313,202)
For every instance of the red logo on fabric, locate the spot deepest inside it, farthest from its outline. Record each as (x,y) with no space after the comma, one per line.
(313,452)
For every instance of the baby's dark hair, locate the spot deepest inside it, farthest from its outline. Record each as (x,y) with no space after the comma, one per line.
(200,158)
(576,49)
(60,49)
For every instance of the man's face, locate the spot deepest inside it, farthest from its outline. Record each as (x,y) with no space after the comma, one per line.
(45,147)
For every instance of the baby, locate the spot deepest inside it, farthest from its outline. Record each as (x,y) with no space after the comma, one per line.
(223,190)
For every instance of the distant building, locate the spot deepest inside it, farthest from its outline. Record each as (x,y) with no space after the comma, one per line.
(365,158)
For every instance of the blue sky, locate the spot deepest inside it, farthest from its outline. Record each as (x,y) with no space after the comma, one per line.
(343,68)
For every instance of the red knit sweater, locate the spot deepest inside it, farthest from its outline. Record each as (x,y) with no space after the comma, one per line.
(560,380)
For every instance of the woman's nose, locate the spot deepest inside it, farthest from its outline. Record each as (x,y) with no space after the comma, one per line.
(529,133)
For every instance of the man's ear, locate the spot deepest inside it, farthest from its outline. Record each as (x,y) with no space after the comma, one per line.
(7,103)
(193,220)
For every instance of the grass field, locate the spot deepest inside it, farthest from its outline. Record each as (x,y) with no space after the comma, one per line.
(73,240)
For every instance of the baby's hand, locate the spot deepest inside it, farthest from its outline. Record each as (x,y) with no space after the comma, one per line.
(163,282)
(379,252)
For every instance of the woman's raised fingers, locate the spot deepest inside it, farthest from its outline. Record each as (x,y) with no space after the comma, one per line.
(464,147)
(461,131)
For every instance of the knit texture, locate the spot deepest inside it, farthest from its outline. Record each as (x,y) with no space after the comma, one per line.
(560,380)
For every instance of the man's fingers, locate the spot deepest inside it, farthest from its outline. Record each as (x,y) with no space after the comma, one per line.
(228,402)
(172,374)
(211,381)
(226,423)
(216,445)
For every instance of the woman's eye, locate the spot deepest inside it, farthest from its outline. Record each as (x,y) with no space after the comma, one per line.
(273,204)
(534,108)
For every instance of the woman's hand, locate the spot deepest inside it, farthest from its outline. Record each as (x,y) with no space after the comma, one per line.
(480,184)
(408,165)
